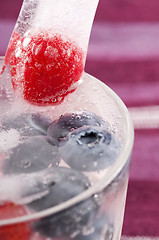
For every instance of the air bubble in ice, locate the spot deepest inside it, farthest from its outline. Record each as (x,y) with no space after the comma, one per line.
(95,163)
(18,53)
(26,163)
(26,42)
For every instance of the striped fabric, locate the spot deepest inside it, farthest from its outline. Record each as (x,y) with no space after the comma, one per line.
(139,238)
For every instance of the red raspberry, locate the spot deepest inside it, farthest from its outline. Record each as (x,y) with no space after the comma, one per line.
(45,68)
(16,231)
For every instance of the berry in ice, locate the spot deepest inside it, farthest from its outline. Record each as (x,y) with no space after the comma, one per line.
(45,67)
(31,155)
(89,148)
(64,184)
(15,231)
(59,129)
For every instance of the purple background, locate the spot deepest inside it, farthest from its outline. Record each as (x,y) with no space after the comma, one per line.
(124,53)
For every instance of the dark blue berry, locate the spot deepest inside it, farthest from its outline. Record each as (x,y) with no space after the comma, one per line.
(90,148)
(32,154)
(71,121)
(101,229)
(64,184)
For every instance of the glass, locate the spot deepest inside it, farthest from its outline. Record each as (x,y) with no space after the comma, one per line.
(67,220)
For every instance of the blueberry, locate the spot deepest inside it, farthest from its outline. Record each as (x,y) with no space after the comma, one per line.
(101,229)
(90,148)
(32,154)
(20,123)
(64,184)
(69,122)
(39,122)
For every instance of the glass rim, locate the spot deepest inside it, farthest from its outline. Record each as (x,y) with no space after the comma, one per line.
(100,184)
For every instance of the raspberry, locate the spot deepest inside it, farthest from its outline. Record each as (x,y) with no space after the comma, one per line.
(45,68)
(15,231)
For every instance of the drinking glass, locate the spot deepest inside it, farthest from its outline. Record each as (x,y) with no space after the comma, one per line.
(97,212)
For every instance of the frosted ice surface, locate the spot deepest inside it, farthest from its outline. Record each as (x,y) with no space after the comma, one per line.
(27,13)
(21,123)
(23,188)
(9,139)
(72,18)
